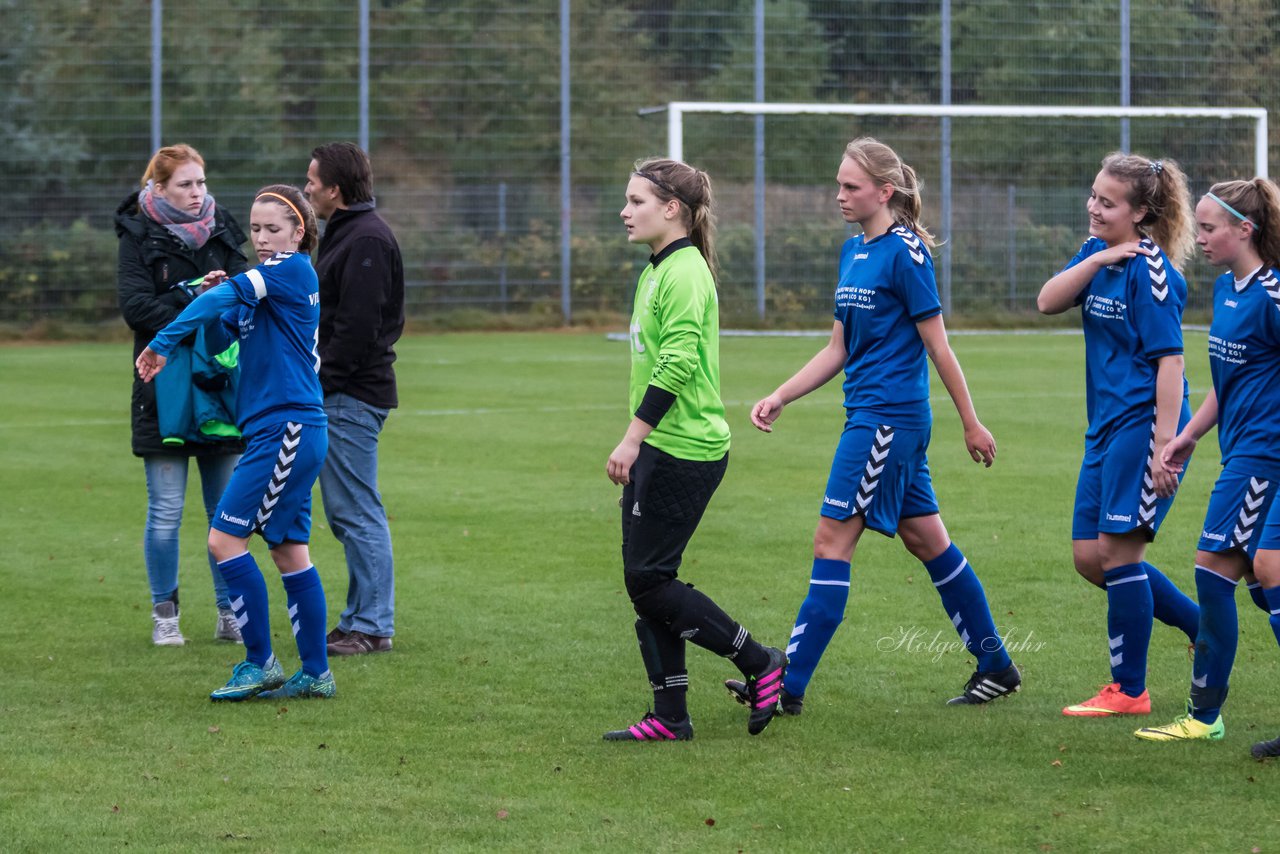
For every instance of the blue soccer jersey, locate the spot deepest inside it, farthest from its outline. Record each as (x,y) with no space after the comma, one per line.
(1132,316)
(886,287)
(274,312)
(1244,358)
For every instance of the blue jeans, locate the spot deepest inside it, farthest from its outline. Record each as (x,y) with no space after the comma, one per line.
(353,508)
(166,494)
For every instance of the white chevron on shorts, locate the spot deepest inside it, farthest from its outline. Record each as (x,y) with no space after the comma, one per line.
(1147,499)
(875,467)
(1250,511)
(279,475)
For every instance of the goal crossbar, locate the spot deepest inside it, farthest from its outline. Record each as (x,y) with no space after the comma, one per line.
(676,111)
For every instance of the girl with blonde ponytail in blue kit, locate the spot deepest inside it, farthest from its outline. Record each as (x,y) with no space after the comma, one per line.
(888,327)
(1126,281)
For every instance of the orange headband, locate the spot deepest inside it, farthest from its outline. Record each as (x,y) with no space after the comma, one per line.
(301,220)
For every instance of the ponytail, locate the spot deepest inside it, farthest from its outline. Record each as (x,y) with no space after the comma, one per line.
(884,166)
(1161,187)
(691,187)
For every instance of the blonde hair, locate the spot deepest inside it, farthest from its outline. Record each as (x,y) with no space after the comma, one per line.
(1258,200)
(691,187)
(1161,187)
(167,160)
(883,166)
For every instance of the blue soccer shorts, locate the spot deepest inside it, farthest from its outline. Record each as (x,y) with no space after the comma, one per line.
(270,490)
(882,474)
(1239,506)
(1115,493)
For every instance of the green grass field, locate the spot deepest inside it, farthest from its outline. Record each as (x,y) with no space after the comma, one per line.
(514,651)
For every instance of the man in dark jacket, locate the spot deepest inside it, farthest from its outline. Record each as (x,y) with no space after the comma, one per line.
(361,317)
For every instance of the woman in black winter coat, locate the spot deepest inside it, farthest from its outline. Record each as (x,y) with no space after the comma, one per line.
(170,233)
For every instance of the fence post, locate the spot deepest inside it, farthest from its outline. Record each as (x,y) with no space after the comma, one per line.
(1013,246)
(945,177)
(566,218)
(502,245)
(157,66)
(363,97)
(759,189)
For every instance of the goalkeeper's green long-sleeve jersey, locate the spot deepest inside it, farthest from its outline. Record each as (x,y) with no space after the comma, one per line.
(675,345)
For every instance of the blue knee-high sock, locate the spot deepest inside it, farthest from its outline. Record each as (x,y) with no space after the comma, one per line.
(820,614)
(1273,607)
(966,605)
(1129,609)
(1216,645)
(1170,605)
(248,592)
(307,613)
(1259,596)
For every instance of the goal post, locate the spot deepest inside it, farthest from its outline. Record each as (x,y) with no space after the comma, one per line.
(676,111)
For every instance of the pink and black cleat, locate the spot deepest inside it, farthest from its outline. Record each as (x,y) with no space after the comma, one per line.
(653,728)
(764,690)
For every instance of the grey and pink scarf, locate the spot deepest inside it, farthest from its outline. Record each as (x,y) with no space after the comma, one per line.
(192,229)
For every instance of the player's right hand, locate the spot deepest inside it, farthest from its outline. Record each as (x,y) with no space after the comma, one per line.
(766,411)
(618,466)
(1120,252)
(149,364)
(1173,458)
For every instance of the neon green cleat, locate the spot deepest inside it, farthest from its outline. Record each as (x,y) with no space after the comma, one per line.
(1184,728)
(249,680)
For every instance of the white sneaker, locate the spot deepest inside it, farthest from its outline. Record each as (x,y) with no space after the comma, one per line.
(166,631)
(228,629)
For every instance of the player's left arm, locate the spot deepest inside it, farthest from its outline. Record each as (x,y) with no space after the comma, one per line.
(977,438)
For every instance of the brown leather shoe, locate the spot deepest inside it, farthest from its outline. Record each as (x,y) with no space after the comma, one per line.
(358,643)
(334,636)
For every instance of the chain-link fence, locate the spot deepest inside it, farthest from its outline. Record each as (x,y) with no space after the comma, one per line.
(504,194)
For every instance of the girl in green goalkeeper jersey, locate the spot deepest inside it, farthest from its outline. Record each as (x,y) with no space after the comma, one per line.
(675,451)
